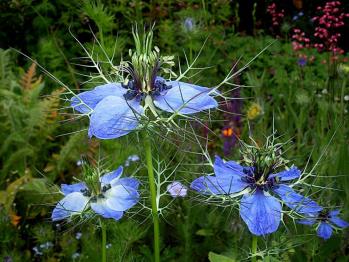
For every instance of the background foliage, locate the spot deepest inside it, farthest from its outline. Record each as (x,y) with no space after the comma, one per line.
(41,148)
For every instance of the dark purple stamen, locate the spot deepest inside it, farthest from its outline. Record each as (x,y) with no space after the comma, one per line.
(323,215)
(253,180)
(133,91)
(105,188)
(85,192)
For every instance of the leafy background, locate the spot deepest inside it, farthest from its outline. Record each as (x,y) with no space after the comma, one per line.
(40,148)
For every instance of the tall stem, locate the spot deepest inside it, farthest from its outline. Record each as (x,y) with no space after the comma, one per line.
(104,241)
(254,248)
(152,187)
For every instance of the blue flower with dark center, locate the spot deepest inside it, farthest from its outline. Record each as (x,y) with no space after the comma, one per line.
(260,206)
(325,221)
(115,109)
(114,196)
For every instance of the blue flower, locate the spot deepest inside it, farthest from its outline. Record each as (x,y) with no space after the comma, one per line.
(177,189)
(259,208)
(324,221)
(115,195)
(116,108)
(189,24)
(302,62)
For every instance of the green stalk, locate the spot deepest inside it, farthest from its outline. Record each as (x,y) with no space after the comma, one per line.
(104,241)
(152,187)
(254,248)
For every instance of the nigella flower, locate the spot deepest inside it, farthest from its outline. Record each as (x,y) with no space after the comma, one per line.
(325,221)
(260,206)
(117,109)
(110,197)
(177,189)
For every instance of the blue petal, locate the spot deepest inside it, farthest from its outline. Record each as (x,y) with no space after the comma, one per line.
(108,177)
(334,213)
(228,168)
(102,208)
(114,117)
(296,201)
(67,189)
(261,213)
(93,97)
(309,219)
(121,198)
(222,185)
(286,175)
(185,98)
(339,222)
(324,230)
(128,182)
(308,222)
(71,204)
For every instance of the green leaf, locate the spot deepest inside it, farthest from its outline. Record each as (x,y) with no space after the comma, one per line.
(213,257)
(204,232)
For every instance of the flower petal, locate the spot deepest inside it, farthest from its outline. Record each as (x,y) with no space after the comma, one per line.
(67,189)
(72,204)
(127,181)
(121,198)
(309,219)
(102,208)
(227,168)
(261,213)
(308,222)
(334,213)
(185,98)
(324,230)
(339,222)
(114,117)
(222,185)
(109,177)
(296,201)
(177,189)
(286,175)
(93,97)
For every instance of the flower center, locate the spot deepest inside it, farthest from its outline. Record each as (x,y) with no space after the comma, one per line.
(256,181)
(135,89)
(93,198)
(323,215)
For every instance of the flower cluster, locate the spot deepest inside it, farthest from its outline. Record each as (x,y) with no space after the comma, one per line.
(330,19)
(276,16)
(299,40)
(299,43)
(108,196)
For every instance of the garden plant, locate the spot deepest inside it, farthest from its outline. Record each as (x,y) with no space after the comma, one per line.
(165,131)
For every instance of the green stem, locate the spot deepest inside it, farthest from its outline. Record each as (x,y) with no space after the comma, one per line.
(152,186)
(254,248)
(104,241)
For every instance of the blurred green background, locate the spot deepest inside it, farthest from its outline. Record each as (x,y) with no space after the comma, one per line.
(304,94)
